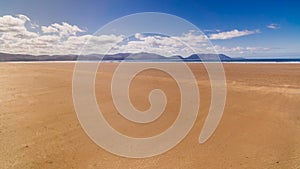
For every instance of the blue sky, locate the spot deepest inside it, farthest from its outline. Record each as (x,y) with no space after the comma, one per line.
(274,26)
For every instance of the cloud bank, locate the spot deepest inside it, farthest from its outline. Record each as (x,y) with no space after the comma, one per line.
(19,35)
(231,34)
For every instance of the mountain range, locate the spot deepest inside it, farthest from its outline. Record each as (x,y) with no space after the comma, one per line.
(143,56)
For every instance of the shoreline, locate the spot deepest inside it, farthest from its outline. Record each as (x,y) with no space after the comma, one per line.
(147,62)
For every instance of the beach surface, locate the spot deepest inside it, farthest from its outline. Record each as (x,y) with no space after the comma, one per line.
(260,127)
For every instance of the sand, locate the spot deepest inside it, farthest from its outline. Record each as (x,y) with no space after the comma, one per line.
(260,127)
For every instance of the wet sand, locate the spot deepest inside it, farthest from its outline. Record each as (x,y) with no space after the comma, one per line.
(260,127)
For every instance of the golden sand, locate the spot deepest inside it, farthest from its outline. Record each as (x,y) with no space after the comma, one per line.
(260,127)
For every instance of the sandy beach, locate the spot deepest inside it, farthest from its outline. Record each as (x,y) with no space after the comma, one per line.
(260,127)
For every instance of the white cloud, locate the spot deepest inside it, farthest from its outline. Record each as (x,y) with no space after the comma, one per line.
(48,38)
(49,29)
(240,49)
(211,30)
(192,37)
(184,45)
(23,17)
(138,36)
(34,25)
(64,39)
(15,37)
(9,23)
(91,43)
(12,29)
(231,34)
(63,29)
(273,26)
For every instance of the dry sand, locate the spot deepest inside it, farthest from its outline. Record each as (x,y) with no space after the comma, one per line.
(260,127)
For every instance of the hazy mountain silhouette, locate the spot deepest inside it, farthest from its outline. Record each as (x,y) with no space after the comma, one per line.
(111,57)
(143,56)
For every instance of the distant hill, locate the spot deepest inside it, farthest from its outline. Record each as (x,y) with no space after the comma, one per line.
(208,57)
(5,57)
(111,57)
(21,57)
